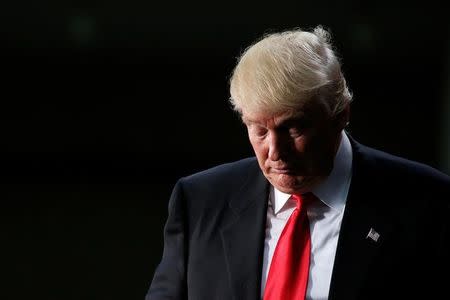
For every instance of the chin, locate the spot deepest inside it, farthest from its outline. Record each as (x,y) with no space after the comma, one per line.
(292,184)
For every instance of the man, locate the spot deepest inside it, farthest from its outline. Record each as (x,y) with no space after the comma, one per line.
(315,215)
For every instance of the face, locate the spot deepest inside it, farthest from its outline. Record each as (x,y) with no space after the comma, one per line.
(295,149)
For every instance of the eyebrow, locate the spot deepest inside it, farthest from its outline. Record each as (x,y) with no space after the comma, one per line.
(291,119)
(247,120)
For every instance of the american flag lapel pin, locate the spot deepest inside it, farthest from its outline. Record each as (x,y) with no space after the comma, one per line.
(373,235)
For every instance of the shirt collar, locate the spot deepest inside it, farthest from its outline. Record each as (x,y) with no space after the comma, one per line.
(333,190)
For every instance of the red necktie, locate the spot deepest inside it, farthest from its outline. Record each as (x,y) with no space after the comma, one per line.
(289,269)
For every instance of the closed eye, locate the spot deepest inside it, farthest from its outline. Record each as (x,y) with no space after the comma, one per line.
(295,132)
(257,131)
(296,127)
(260,131)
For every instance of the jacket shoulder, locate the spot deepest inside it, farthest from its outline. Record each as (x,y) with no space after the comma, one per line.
(392,172)
(228,172)
(403,166)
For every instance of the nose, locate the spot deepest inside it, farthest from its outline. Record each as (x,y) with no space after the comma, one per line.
(278,145)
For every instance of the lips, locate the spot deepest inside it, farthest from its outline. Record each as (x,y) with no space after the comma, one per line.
(281,170)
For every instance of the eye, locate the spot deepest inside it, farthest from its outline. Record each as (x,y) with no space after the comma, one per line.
(298,127)
(295,132)
(257,131)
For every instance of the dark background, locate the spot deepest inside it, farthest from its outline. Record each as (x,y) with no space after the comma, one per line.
(104,105)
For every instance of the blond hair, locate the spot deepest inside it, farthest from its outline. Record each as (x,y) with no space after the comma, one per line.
(284,70)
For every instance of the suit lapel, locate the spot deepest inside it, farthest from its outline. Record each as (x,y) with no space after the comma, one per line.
(243,236)
(364,213)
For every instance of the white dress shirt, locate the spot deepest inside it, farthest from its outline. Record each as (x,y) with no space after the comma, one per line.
(325,219)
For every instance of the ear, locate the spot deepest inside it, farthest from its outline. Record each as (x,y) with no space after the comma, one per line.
(342,118)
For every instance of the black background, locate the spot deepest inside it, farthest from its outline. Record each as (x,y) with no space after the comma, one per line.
(104,105)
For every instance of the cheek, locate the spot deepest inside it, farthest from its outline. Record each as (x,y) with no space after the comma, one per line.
(301,145)
(321,151)
(259,149)
(312,152)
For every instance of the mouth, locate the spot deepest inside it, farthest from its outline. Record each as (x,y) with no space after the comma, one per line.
(281,170)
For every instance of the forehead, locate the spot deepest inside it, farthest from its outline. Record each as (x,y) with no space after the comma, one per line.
(268,117)
(311,110)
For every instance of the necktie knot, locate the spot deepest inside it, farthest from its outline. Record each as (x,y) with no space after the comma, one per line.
(303,200)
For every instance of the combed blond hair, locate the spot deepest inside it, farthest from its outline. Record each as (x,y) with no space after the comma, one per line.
(284,70)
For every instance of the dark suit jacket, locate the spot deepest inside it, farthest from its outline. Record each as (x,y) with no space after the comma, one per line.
(214,235)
